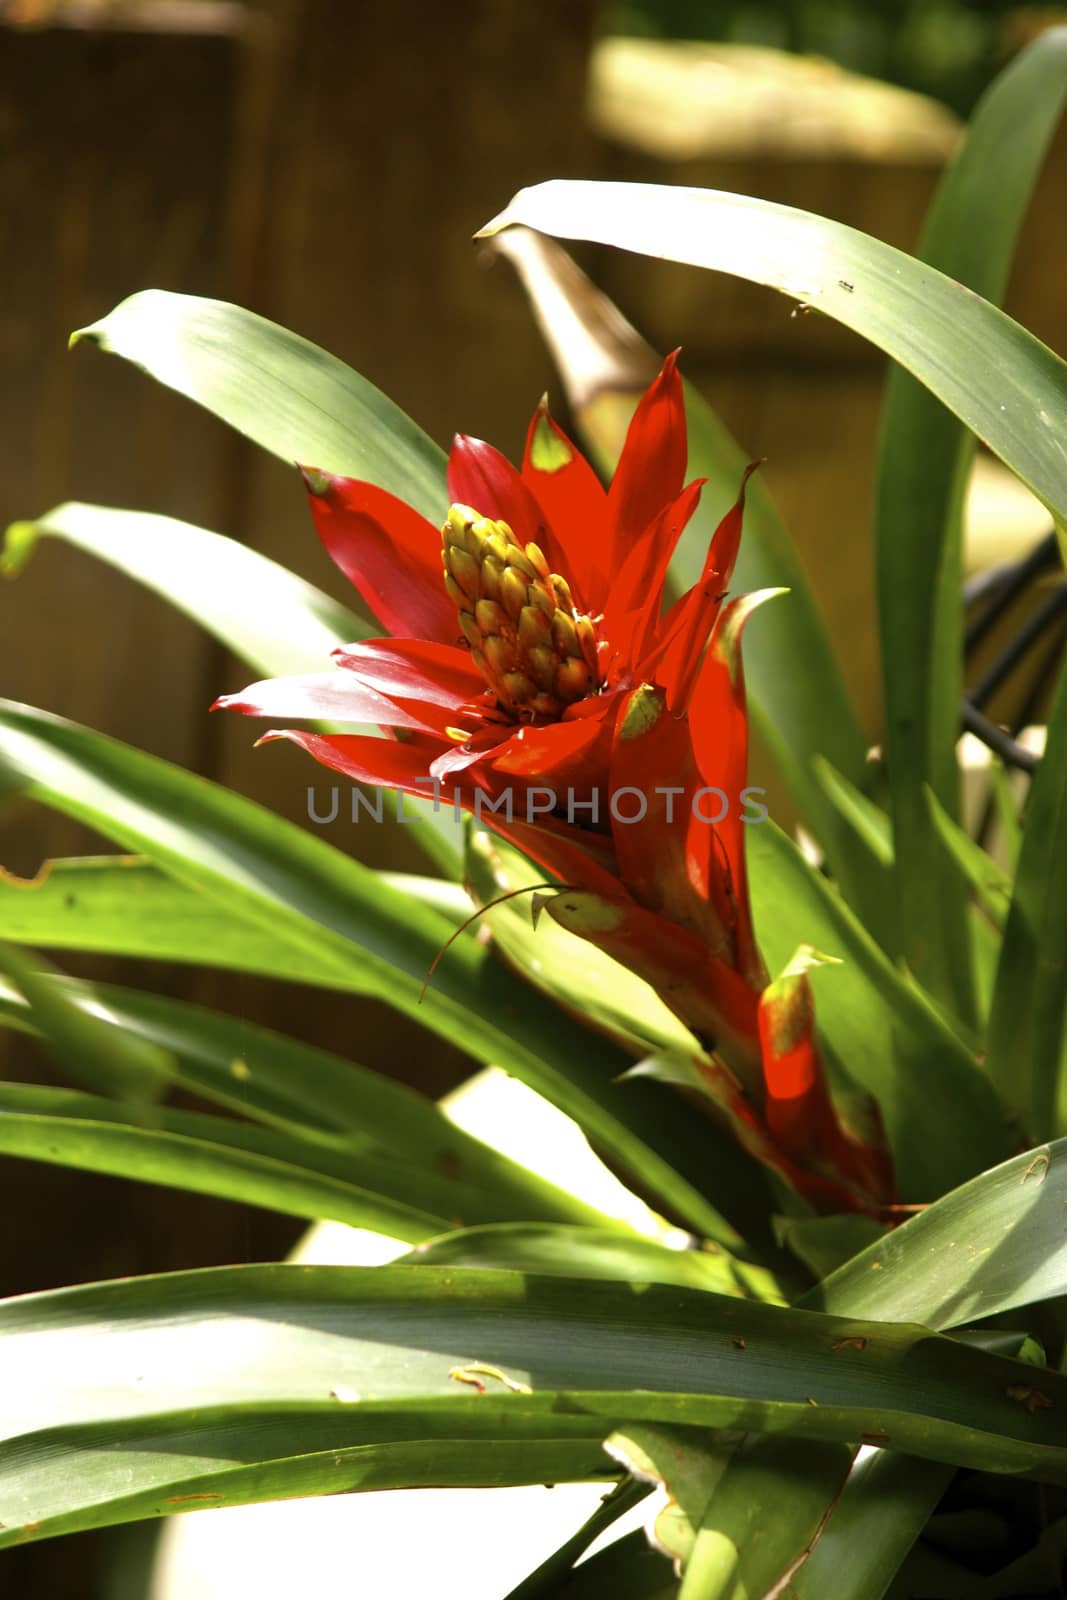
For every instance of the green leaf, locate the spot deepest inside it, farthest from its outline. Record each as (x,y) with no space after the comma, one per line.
(569,969)
(943,1118)
(763,1515)
(126,906)
(869,823)
(688,1463)
(858,844)
(990,882)
(123,905)
(628,1567)
(824,1243)
(300,1090)
(277,389)
(272,619)
(998,379)
(588,983)
(369,937)
(605,366)
(575,1252)
(557,1568)
(989,1246)
(81,1044)
(1006,809)
(1027,1022)
(1000,389)
(872,1526)
(240,1367)
(217,1156)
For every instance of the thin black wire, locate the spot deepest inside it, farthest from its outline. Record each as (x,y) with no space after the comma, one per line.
(1017,576)
(999,740)
(1028,635)
(1003,585)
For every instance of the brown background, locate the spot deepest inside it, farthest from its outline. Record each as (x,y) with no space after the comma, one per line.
(328,169)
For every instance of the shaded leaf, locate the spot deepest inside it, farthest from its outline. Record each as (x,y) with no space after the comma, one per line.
(364,935)
(266,615)
(1001,390)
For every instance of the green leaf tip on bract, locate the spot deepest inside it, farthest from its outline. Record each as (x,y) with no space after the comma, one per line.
(806,959)
(317,483)
(20,541)
(646,706)
(549,451)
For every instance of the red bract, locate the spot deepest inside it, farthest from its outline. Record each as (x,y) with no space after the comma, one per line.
(535,677)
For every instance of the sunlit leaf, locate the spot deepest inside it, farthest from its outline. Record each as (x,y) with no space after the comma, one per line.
(280,390)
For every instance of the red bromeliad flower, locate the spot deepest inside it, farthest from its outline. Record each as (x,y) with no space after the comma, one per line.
(539,681)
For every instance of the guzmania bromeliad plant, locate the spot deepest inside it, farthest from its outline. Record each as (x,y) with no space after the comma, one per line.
(538,679)
(840,1071)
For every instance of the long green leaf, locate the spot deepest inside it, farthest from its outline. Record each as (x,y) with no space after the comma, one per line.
(272,619)
(872,1526)
(992,1245)
(224,1456)
(605,365)
(557,1568)
(923,466)
(211,1155)
(284,1084)
(1005,385)
(987,878)
(399,1352)
(278,389)
(575,1252)
(629,1567)
(123,905)
(345,917)
(82,1045)
(268,616)
(688,1464)
(735,1554)
(1029,1013)
(988,1247)
(126,906)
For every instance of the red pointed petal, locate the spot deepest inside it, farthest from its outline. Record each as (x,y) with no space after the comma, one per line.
(415,669)
(651,468)
(365,759)
(689,622)
(632,609)
(666,839)
(480,477)
(571,854)
(566,755)
(799,1112)
(719,723)
(464,756)
(706,993)
(390,553)
(337,696)
(573,499)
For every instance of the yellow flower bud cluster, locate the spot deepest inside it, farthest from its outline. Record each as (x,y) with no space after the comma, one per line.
(535,651)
